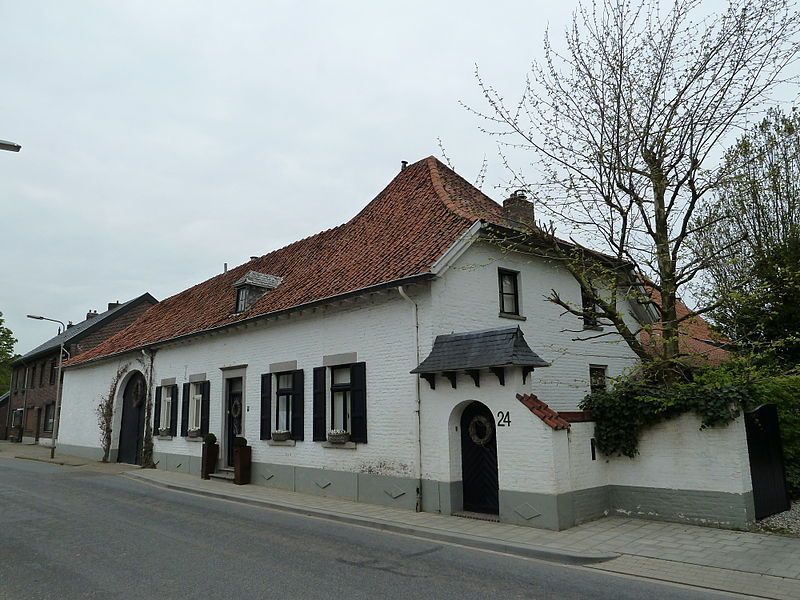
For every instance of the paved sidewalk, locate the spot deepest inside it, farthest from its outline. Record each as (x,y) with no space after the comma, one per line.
(755,564)
(40,453)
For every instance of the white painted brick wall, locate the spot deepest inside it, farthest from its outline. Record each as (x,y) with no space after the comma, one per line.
(524,449)
(466,299)
(532,457)
(380,331)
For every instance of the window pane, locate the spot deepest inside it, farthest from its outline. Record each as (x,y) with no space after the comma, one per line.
(340,408)
(285,381)
(509,283)
(341,376)
(196,406)
(283,418)
(597,378)
(509,304)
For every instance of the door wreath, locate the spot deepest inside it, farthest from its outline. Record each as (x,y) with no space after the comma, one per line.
(236,408)
(480,430)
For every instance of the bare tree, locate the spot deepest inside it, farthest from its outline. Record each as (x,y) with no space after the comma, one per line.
(624,125)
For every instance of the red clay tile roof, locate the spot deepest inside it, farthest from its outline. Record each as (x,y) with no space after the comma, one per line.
(696,341)
(400,234)
(550,417)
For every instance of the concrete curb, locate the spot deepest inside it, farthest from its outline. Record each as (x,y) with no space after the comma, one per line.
(53,461)
(556,555)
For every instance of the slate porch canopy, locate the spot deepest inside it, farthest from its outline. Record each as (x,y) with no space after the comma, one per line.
(493,349)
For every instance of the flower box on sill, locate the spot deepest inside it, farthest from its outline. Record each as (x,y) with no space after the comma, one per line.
(281,435)
(164,432)
(194,433)
(338,436)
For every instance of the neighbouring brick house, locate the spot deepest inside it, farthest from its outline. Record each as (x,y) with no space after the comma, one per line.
(4,414)
(404,358)
(30,413)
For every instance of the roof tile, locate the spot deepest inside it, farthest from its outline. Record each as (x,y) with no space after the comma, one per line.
(401,233)
(550,417)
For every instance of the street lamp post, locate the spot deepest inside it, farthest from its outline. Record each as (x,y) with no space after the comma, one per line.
(57,412)
(10,146)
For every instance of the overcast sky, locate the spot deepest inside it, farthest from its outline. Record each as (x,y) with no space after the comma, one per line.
(162,139)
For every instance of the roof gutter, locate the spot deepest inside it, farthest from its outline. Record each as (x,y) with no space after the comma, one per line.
(420,277)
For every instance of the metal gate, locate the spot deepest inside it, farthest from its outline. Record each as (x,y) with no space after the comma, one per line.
(479,460)
(770,492)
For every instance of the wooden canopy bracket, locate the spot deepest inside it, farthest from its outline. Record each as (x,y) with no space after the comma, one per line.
(525,372)
(430,378)
(501,374)
(476,376)
(451,376)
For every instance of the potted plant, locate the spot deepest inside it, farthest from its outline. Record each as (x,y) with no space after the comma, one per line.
(194,433)
(242,455)
(164,432)
(208,464)
(338,436)
(281,435)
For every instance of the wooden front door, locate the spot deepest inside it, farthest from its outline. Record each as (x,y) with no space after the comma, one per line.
(479,460)
(131,431)
(233,411)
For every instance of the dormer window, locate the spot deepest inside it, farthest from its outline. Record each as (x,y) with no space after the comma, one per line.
(251,287)
(241,300)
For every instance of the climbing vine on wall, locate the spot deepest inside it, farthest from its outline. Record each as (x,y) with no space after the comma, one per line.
(146,362)
(105,411)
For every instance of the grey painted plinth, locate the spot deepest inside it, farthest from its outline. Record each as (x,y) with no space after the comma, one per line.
(719,509)
(86,452)
(547,511)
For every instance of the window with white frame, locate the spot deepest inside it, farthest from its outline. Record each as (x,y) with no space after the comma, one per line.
(16,417)
(195,405)
(341,390)
(166,407)
(283,401)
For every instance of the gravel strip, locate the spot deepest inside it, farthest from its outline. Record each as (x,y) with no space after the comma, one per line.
(787,522)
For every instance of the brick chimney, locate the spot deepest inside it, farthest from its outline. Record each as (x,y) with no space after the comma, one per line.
(519,211)
(91,314)
(113,304)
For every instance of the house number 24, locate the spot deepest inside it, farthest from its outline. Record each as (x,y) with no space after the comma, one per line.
(503,419)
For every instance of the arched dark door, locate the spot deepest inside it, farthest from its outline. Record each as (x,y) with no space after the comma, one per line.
(479,460)
(131,431)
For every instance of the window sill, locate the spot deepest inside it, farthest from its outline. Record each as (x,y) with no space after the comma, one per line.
(345,446)
(503,315)
(289,443)
(164,437)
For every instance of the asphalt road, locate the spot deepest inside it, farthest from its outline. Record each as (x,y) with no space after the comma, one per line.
(74,534)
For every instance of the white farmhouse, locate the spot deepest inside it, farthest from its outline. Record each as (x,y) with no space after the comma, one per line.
(429,348)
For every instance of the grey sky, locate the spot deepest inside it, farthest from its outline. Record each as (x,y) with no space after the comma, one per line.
(162,139)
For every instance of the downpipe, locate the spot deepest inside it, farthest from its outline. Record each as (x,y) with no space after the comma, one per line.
(415,310)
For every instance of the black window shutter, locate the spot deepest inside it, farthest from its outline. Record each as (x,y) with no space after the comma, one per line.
(320,433)
(187,390)
(298,406)
(266,406)
(173,414)
(358,403)
(157,409)
(205,407)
